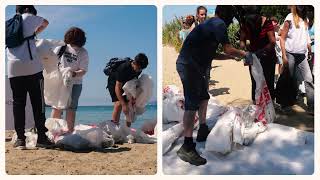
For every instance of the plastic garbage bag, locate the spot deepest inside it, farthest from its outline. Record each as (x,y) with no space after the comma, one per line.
(170,91)
(85,137)
(265,109)
(130,88)
(45,52)
(173,109)
(220,137)
(58,88)
(170,135)
(56,127)
(148,127)
(31,138)
(113,129)
(141,91)
(145,86)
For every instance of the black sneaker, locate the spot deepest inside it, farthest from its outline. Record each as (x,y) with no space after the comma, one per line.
(191,155)
(44,143)
(20,144)
(203,133)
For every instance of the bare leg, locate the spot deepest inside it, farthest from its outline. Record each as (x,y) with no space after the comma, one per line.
(70,117)
(56,113)
(203,111)
(116,112)
(188,122)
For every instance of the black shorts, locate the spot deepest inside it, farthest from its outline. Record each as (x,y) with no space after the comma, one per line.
(111,88)
(195,86)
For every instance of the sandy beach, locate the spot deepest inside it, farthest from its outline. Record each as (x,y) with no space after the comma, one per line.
(230,84)
(127,159)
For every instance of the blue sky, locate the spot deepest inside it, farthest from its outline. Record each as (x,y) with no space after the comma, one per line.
(169,12)
(112,31)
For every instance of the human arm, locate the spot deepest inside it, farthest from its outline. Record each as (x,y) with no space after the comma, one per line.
(230,50)
(42,26)
(284,34)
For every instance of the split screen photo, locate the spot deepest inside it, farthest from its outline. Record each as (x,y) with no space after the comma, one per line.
(89,90)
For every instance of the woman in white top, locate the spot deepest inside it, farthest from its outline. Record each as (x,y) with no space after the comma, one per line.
(295,44)
(76,57)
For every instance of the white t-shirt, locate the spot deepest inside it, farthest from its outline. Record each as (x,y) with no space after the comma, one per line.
(19,62)
(297,38)
(75,58)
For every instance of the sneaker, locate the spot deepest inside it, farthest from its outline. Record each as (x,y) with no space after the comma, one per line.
(191,155)
(203,133)
(44,143)
(19,144)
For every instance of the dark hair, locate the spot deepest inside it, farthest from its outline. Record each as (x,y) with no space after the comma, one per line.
(201,8)
(253,23)
(75,36)
(26,9)
(302,11)
(142,60)
(226,13)
(189,20)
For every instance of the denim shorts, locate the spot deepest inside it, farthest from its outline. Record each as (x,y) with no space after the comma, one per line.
(76,91)
(195,86)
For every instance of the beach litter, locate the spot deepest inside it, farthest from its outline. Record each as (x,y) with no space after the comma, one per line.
(236,135)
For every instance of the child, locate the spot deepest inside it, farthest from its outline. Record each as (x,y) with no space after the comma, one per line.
(76,57)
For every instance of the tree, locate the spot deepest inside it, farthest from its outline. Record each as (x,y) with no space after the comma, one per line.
(280,12)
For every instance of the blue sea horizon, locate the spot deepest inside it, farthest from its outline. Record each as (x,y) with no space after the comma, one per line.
(96,114)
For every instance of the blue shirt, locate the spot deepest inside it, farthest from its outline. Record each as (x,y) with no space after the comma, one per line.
(202,42)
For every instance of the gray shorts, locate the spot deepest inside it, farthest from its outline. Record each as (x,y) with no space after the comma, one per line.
(76,91)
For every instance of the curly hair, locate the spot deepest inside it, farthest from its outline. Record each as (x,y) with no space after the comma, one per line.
(190,20)
(75,36)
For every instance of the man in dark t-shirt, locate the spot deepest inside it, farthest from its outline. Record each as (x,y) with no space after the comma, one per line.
(194,59)
(123,73)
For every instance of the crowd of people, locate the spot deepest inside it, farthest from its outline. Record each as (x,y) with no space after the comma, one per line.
(25,73)
(288,45)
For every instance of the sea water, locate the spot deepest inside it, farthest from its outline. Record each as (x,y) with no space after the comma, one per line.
(96,114)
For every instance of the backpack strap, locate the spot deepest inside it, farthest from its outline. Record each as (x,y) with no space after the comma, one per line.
(61,52)
(27,39)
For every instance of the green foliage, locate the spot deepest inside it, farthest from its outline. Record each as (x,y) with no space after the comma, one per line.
(170,34)
(234,36)
(170,31)
(280,12)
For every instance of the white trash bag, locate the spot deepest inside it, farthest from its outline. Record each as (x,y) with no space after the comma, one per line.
(56,127)
(265,110)
(58,88)
(170,135)
(170,91)
(173,109)
(220,138)
(45,52)
(144,92)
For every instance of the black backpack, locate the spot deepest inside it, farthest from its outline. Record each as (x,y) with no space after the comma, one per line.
(113,64)
(14,33)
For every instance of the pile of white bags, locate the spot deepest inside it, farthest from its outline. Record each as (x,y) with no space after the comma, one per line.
(58,81)
(123,134)
(83,137)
